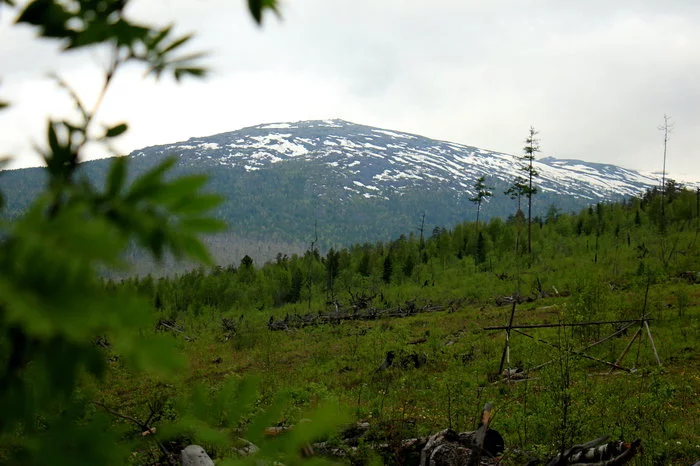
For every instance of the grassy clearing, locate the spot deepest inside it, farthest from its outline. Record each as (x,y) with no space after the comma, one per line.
(339,362)
(609,263)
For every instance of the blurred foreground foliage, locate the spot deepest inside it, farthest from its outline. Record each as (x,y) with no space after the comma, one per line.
(56,315)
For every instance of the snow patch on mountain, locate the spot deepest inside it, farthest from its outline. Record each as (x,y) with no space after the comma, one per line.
(392,162)
(394,134)
(278,126)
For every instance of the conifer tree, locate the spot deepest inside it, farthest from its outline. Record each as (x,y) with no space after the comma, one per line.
(531,146)
(517,190)
(482,193)
(332,264)
(388,269)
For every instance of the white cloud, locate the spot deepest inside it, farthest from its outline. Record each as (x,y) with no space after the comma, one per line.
(594,77)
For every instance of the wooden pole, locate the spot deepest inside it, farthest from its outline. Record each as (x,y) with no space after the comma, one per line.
(623,329)
(578,353)
(574,324)
(653,346)
(627,348)
(540,366)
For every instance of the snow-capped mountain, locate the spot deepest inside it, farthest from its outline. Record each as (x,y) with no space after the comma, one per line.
(347,183)
(377,162)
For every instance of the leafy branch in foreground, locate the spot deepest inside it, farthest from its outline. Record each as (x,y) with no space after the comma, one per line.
(53,303)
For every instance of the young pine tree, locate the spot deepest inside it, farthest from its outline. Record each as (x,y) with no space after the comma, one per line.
(517,191)
(531,146)
(481,193)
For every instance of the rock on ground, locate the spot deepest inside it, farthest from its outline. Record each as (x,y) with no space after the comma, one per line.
(194,455)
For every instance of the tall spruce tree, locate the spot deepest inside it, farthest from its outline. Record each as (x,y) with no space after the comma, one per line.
(517,190)
(481,192)
(388,269)
(531,146)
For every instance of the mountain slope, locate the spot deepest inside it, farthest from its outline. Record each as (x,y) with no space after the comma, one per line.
(349,183)
(378,162)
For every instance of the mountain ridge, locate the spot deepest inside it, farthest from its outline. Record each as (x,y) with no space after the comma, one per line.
(271,143)
(347,183)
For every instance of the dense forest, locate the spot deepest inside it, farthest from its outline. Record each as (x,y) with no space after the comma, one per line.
(291,201)
(567,249)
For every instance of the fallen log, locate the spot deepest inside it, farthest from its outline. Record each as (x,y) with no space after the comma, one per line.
(481,447)
(339,315)
(595,454)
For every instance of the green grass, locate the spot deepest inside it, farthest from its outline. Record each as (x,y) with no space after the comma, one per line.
(337,363)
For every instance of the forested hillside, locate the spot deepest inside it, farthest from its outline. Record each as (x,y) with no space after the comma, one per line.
(342,183)
(620,238)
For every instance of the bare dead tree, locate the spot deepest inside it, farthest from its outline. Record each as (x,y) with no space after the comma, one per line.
(310,256)
(421,242)
(667,128)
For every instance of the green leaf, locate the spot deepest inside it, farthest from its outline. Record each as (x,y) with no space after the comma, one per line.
(151,353)
(116,130)
(192,71)
(196,204)
(240,396)
(127,34)
(180,188)
(177,43)
(150,182)
(158,38)
(61,159)
(116,176)
(257,7)
(52,138)
(195,249)
(35,12)
(49,16)
(95,33)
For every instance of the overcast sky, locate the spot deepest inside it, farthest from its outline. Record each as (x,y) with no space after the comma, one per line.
(594,77)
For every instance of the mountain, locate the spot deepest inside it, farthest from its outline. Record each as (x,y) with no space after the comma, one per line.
(347,183)
(376,162)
